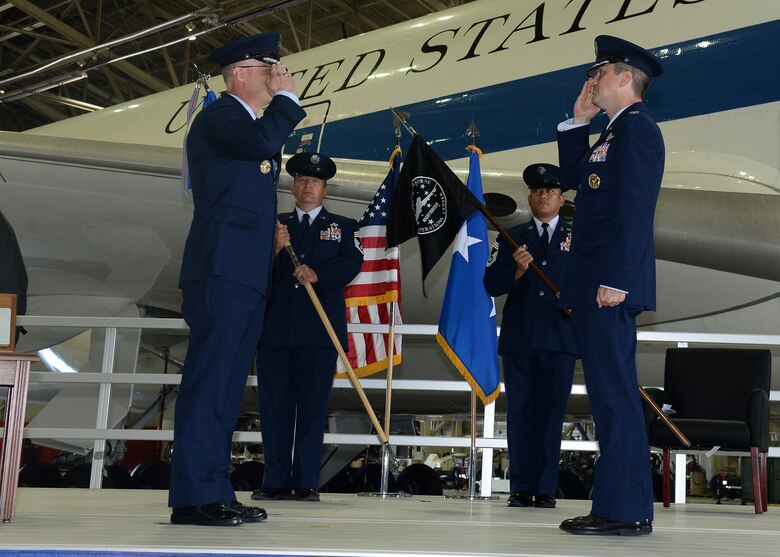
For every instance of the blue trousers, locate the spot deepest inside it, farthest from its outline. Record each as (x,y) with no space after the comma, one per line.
(537,384)
(293,388)
(225,319)
(623,485)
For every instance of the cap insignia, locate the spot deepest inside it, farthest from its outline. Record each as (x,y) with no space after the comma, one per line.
(315,159)
(541,170)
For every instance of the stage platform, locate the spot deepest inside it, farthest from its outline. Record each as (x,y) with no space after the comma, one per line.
(69,522)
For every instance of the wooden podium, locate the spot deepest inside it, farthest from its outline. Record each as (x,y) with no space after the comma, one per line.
(14,374)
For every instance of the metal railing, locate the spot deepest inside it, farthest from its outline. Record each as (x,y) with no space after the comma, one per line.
(101,433)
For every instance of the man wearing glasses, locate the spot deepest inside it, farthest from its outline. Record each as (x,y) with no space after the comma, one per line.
(234,160)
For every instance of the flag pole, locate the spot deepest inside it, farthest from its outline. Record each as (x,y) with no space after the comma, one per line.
(337,344)
(471,490)
(386,456)
(386,453)
(549,284)
(391,331)
(390,354)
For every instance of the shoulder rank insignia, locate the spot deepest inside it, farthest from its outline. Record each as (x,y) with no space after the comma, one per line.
(358,243)
(493,254)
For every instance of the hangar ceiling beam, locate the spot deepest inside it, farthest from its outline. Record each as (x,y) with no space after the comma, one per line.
(433,5)
(357,15)
(293,31)
(147,7)
(68,32)
(46,109)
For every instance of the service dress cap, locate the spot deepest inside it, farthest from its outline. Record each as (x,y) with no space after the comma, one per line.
(542,175)
(311,164)
(263,47)
(610,50)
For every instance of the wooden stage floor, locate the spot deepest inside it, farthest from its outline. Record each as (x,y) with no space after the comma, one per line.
(67,522)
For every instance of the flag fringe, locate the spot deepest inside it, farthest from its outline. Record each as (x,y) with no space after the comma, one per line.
(370,369)
(359,301)
(486,399)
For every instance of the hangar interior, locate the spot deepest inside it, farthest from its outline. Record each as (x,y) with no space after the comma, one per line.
(59,59)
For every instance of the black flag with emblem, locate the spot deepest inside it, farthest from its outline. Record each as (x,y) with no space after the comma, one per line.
(430,202)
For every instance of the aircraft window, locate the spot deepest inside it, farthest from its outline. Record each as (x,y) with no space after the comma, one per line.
(500,205)
(567,211)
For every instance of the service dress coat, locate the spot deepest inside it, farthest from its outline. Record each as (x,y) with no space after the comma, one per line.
(234,165)
(531,318)
(330,248)
(618,181)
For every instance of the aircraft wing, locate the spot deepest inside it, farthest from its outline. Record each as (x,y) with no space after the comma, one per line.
(99,223)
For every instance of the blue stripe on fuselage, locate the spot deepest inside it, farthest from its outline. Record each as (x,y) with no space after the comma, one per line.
(736,69)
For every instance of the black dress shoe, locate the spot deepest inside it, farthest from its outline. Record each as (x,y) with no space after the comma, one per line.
(592,525)
(213,514)
(520,499)
(307,494)
(544,502)
(272,493)
(247,514)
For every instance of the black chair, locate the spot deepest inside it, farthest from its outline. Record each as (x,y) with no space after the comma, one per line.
(721,399)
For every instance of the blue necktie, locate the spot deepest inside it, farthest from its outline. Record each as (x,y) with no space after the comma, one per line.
(305,222)
(545,236)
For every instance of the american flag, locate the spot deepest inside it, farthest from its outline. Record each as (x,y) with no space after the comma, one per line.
(376,291)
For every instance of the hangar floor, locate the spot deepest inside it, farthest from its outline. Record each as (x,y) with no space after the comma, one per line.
(67,522)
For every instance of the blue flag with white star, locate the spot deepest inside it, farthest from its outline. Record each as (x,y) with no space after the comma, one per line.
(467,326)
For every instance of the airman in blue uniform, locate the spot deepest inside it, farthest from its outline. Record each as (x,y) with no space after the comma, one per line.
(296,358)
(611,276)
(537,340)
(234,158)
